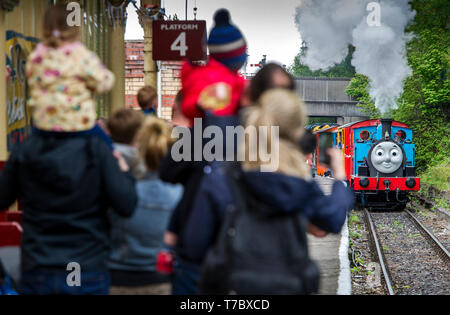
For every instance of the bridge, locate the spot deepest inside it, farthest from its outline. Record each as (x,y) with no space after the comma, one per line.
(326,98)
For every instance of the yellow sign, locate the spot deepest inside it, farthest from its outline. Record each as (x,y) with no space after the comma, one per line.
(18,48)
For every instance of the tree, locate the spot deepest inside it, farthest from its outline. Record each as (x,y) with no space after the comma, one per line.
(343,69)
(424,105)
(358,90)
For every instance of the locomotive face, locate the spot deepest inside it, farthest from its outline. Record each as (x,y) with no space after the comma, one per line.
(387,157)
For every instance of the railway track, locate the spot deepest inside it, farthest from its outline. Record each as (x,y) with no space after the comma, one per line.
(445,254)
(412,260)
(379,252)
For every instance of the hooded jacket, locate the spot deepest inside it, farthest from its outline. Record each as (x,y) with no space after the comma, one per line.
(137,240)
(280,192)
(66,185)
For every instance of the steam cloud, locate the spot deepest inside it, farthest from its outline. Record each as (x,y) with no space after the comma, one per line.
(329,26)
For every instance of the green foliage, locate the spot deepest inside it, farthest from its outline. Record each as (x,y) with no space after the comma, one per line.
(355,270)
(440,203)
(438,176)
(353,219)
(342,70)
(360,261)
(424,103)
(358,89)
(321,120)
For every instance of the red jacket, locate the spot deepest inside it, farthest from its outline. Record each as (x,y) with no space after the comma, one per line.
(212,87)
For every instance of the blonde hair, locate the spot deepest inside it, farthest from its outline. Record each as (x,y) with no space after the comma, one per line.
(283,109)
(155,139)
(56,29)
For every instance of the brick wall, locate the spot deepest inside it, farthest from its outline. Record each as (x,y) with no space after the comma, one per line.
(170,85)
(134,71)
(134,67)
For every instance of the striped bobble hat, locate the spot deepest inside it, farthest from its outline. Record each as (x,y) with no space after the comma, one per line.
(226,43)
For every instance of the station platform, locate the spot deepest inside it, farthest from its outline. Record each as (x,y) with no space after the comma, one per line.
(331,255)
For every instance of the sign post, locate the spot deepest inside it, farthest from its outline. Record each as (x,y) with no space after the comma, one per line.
(178,40)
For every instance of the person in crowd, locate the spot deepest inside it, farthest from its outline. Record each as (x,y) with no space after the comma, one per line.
(270,76)
(289,188)
(66,176)
(136,241)
(178,118)
(308,145)
(124,126)
(148,100)
(217,86)
(66,185)
(63,76)
(212,92)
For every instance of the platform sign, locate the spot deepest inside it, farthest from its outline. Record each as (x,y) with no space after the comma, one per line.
(178,40)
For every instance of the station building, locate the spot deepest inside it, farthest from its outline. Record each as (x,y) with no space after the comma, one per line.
(20,32)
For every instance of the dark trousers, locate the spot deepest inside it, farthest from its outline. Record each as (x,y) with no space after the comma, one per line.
(54,282)
(185,278)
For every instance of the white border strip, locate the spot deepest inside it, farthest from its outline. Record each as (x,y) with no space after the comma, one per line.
(223,48)
(345,277)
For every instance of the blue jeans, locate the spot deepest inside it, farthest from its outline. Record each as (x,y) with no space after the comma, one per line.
(54,282)
(185,278)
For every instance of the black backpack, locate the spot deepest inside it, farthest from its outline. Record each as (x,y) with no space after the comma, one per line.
(258,252)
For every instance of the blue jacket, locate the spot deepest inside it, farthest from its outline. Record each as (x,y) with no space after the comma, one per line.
(282,193)
(137,240)
(189,174)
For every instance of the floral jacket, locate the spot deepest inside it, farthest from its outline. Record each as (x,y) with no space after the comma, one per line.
(62,83)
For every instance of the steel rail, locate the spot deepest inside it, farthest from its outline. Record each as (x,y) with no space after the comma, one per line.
(427,233)
(379,252)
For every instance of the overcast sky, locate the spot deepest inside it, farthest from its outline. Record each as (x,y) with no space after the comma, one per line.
(268,25)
